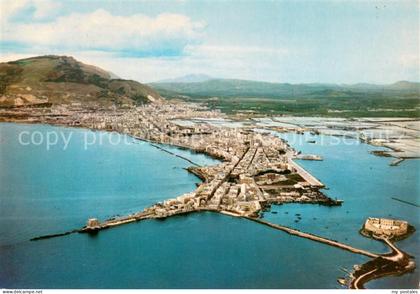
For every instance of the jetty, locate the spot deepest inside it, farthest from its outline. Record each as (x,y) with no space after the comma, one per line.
(392,263)
(396,262)
(315,238)
(396,161)
(305,174)
(405,201)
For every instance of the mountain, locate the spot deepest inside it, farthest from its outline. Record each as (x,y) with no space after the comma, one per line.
(257,89)
(226,88)
(47,80)
(405,85)
(192,78)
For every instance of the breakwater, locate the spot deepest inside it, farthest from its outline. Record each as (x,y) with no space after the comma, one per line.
(315,238)
(143,216)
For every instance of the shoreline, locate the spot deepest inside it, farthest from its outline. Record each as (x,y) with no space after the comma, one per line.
(202,193)
(292,129)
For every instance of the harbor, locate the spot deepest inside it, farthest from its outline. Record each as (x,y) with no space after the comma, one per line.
(257,170)
(395,262)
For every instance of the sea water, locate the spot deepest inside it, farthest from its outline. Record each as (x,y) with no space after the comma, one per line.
(51,191)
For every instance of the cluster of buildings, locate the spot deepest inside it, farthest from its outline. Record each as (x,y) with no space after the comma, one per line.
(385,228)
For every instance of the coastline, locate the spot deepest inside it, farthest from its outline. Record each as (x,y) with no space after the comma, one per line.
(205,176)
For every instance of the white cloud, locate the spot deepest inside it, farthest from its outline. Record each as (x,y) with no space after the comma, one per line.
(45,8)
(258,63)
(100,30)
(150,48)
(42,8)
(410,60)
(235,51)
(9,8)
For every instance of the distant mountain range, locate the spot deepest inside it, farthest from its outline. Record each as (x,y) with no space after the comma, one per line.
(49,80)
(254,89)
(61,79)
(400,99)
(191,78)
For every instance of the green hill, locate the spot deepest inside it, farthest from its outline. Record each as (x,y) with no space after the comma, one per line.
(61,80)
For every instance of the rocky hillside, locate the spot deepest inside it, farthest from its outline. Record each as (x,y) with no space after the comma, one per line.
(48,80)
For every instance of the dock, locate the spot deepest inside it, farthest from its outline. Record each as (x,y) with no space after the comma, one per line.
(315,238)
(405,201)
(305,174)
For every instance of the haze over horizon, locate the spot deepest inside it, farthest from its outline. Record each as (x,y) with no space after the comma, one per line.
(201,77)
(275,41)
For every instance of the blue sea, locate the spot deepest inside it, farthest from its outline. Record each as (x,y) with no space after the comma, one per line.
(52,189)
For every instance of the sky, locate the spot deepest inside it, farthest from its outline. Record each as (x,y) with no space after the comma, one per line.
(278,41)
